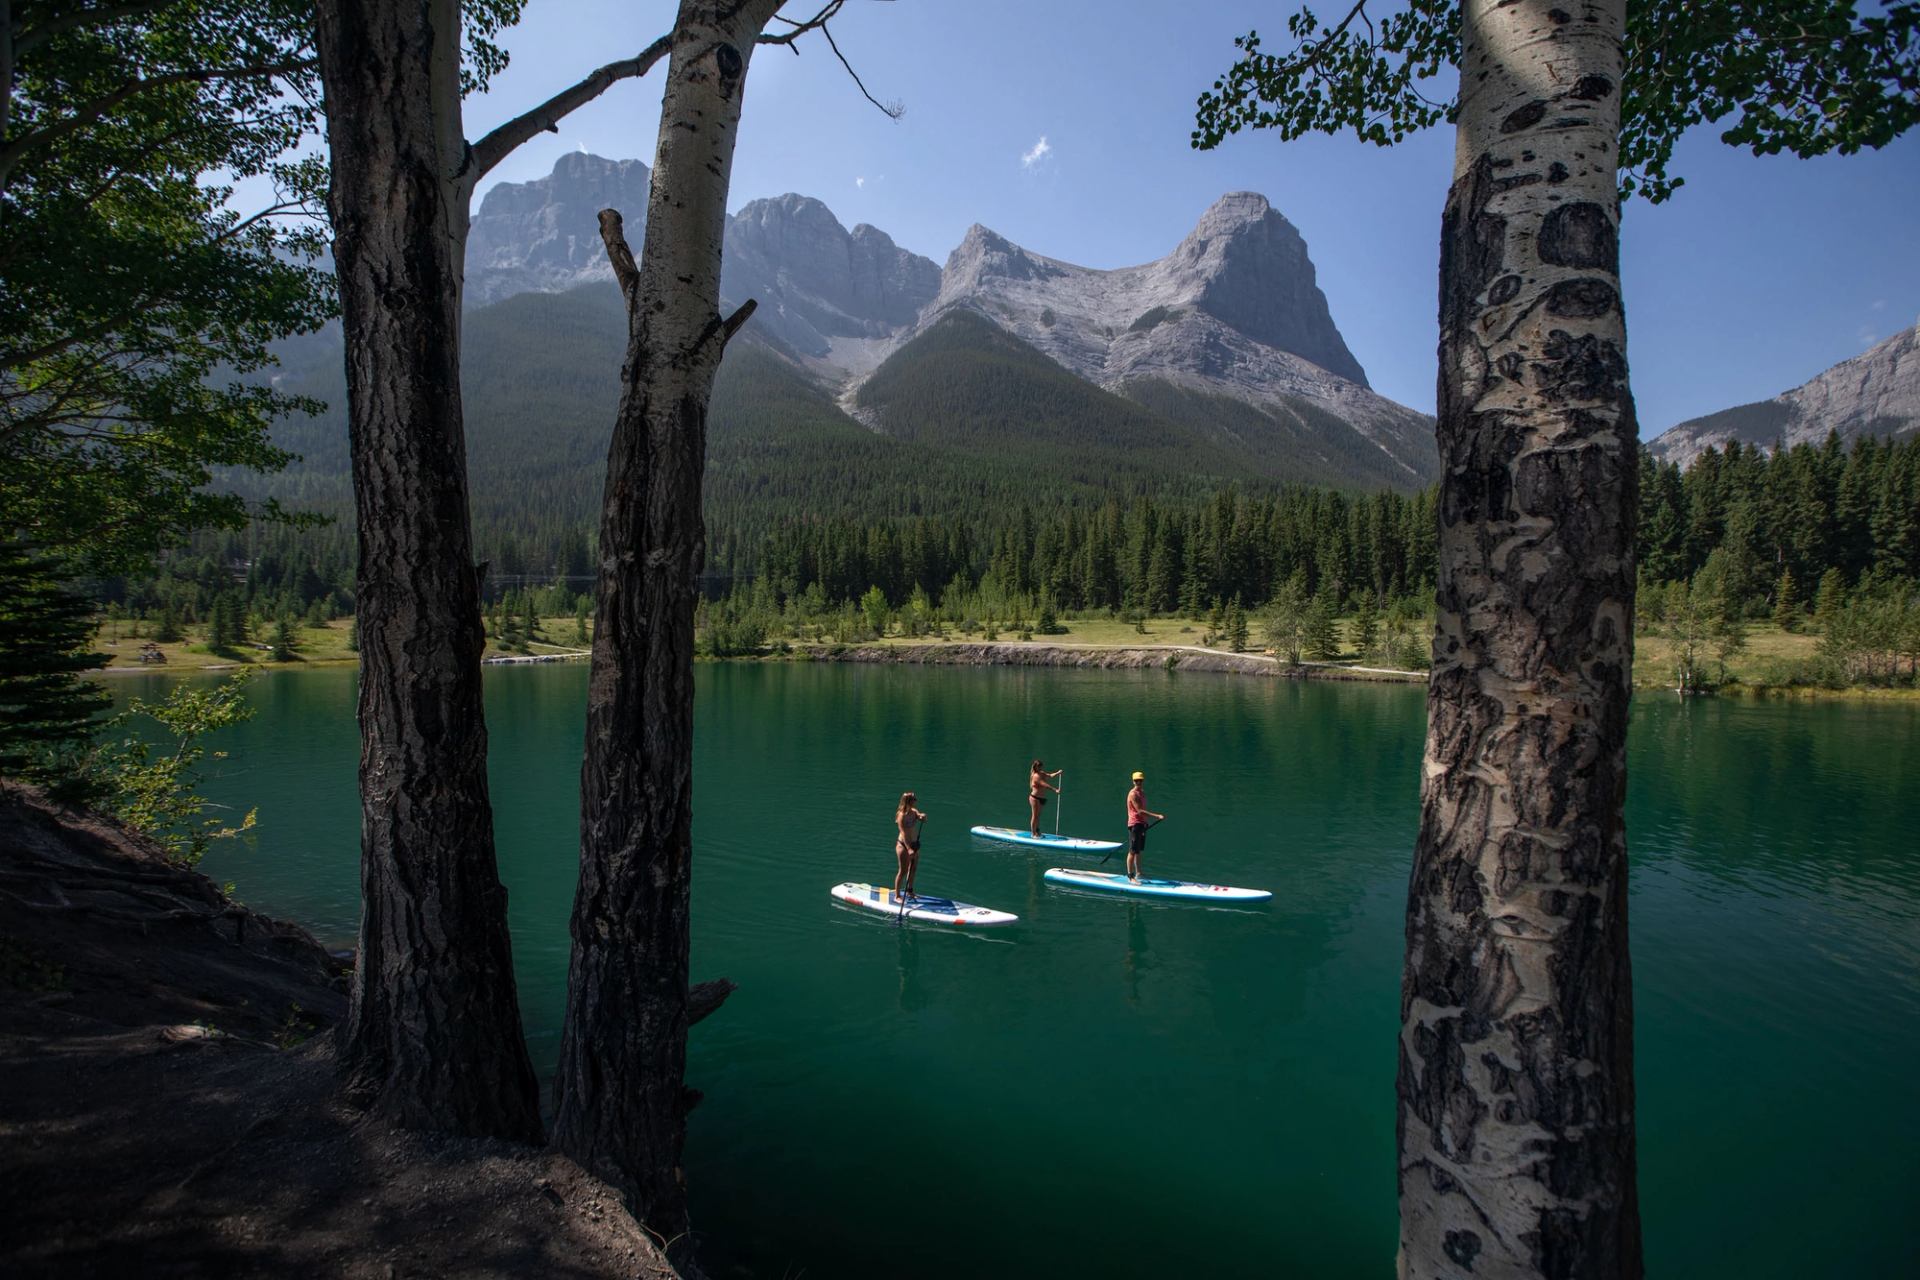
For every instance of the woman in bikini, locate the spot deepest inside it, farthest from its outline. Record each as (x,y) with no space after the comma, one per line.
(906,844)
(1039,782)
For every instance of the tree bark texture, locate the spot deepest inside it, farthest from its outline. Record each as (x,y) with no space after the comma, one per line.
(432,1039)
(621,1099)
(1516,1128)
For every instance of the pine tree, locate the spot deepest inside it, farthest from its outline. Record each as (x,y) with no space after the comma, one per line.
(168,630)
(1830,599)
(1366,623)
(353,634)
(1236,627)
(47,709)
(580,622)
(285,648)
(1786,601)
(1322,633)
(220,634)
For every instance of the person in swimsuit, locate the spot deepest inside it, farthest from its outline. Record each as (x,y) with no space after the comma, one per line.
(1039,782)
(1139,818)
(906,844)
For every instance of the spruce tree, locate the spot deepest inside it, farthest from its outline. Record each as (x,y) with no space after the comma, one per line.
(1830,599)
(47,709)
(285,648)
(1236,627)
(1322,633)
(1366,623)
(168,630)
(1786,601)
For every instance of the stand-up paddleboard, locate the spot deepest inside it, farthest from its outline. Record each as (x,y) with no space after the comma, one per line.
(1117,882)
(919,907)
(1069,844)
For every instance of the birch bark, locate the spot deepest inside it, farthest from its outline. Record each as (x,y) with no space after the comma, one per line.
(1515,1081)
(432,1038)
(621,1102)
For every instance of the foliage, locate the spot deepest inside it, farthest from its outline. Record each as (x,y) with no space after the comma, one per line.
(1366,624)
(48,710)
(154,788)
(1322,629)
(140,296)
(1705,630)
(1803,76)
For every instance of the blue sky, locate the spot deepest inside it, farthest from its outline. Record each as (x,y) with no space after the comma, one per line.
(1063,125)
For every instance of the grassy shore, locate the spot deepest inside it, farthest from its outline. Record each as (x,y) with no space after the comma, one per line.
(1767,665)
(315,646)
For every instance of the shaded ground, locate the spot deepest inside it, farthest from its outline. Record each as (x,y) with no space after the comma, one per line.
(166,1098)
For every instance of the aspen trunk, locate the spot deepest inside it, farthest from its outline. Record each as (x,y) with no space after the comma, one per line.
(1516,1046)
(621,1099)
(432,1038)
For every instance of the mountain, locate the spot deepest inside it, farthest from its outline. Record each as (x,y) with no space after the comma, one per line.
(1227,342)
(544,236)
(1875,393)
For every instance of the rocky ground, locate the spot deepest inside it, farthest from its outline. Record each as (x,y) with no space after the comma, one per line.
(166,1100)
(1101,657)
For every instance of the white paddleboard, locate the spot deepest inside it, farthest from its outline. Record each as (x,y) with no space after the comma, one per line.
(919,907)
(1071,844)
(1117,882)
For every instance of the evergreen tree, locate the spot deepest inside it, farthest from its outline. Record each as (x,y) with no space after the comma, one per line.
(285,647)
(1236,627)
(220,629)
(1366,623)
(168,630)
(1786,601)
(47,710)
(580,623)
(1829,599)
(1322,631)
(353,634)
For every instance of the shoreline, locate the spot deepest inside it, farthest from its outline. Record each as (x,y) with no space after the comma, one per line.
(1167,657)
(1064,654)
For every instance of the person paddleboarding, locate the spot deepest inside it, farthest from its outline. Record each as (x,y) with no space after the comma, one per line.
(1139,818)
(906,844)
(1039,782)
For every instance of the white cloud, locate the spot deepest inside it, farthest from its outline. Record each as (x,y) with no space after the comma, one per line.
(1866,336)
(1039,151)
(1879,304)
(859,182)
(581,147)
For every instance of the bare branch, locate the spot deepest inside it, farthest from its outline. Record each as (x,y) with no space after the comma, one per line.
(705,997)
(613,235)
(545,118)
(731,325)
(892,111)
(818,22)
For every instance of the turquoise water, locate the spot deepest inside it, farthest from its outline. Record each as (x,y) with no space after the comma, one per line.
(1132,1088)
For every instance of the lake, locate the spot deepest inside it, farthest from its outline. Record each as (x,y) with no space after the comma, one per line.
(1132,1089)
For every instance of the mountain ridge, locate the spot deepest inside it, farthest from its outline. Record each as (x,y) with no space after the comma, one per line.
(1234,310)
(1874,393)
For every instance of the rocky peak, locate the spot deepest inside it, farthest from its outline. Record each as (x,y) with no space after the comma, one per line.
(545,234)
(816,281)
(1249,268)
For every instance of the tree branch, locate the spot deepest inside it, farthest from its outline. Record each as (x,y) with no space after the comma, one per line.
(725,329)
(28,41)
(705,997)
(613,235)
(11,154)
(545,118)
(818,22)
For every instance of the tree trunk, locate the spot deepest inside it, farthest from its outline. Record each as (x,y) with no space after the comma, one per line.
(620,1093)
(1516,1049)
(432,1038)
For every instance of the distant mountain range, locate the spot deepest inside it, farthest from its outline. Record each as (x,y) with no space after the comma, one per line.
(1222,353)
(1875,393)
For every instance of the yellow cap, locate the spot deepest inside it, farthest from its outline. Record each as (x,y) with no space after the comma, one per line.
(1139,776)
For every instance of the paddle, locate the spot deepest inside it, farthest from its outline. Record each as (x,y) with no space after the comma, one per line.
(1059,801)
(1150,826)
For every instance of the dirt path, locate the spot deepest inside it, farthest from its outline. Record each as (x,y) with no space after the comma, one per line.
(166,1098)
